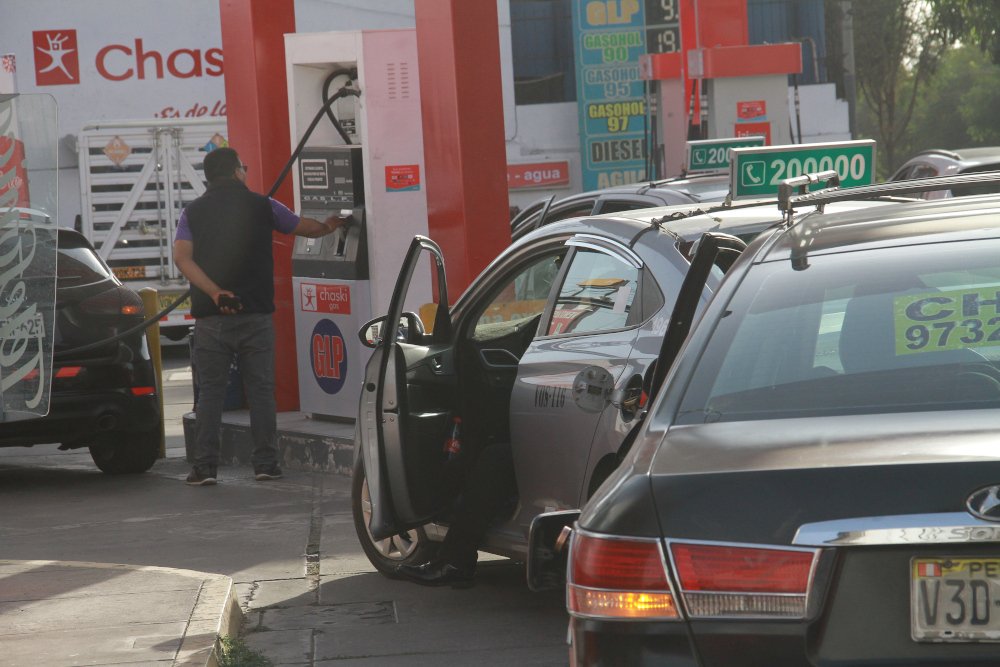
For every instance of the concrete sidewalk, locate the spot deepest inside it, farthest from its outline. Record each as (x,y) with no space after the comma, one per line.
(59,613)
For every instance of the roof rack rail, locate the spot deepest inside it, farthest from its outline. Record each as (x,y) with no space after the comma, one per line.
(788,201)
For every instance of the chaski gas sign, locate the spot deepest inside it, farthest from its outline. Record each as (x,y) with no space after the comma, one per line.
(57,60)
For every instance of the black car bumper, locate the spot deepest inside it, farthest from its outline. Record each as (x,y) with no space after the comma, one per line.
(76,419)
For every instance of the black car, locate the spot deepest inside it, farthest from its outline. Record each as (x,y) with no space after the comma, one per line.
(818,481)
(104,393)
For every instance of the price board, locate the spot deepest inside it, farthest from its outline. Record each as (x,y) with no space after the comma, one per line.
(756,172)
(712,155)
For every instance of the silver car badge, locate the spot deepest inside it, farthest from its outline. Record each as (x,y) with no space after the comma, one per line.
(984,503)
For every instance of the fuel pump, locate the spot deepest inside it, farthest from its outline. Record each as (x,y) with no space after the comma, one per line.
(367,161)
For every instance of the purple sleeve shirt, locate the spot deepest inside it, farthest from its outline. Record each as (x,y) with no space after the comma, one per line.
(285,221)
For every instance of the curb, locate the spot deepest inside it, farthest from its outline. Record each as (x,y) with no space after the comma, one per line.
(216,611)
(303,444)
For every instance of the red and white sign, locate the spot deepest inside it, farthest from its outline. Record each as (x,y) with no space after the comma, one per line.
(19,181)
(762,129)
(402,177)
(335,299)
(749,110)
(537,174)
(57,57)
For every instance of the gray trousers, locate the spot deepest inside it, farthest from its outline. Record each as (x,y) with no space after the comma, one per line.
(216,340)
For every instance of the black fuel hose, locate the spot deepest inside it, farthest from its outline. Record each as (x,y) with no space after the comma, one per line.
(325,109)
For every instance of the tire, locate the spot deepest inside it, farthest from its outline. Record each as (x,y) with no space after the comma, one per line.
(411,547)
(127,453)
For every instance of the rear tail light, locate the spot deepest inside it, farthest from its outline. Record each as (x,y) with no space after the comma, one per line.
(143,391)
(618,578)
(719,580)
(115,301)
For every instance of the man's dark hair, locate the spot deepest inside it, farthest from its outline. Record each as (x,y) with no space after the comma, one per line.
(221,164)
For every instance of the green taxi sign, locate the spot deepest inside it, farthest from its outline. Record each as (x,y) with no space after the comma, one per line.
(756,172)
(712,155)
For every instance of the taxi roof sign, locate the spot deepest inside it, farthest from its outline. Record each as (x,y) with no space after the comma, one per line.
(706,156)
(757,172)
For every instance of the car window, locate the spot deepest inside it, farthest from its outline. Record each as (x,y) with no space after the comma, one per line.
(518,299)
(923,171)
(596,295)
(618,205)
(915,328)
(526,223)
(79,266)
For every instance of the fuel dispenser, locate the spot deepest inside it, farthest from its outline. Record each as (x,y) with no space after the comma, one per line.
(368,161)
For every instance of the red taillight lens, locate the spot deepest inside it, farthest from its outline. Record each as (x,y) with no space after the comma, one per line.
(143,391)
(618,578)
(68,371)
(731,569)
(614,563)
(724,581)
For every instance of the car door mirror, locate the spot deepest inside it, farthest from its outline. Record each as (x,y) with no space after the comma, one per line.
(370,333)
(410,330)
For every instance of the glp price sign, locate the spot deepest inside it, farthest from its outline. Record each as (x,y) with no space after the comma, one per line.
(756,172)
(712,155)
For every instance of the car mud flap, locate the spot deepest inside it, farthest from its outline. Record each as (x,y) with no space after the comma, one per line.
(548,549)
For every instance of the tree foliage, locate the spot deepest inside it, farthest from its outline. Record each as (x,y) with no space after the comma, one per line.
(958,106)
(897,48)
(972,21)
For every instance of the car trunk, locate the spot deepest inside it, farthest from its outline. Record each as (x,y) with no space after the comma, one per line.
(876,493)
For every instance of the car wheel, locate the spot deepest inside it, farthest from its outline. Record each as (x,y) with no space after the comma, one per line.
(413,546)
(127,452)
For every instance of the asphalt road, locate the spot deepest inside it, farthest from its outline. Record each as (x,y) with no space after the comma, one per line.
(310,596)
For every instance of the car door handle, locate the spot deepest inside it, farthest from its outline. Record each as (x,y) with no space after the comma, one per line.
(499,358)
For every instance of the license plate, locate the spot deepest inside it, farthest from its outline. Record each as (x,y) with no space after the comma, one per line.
(167,299)
(955,599)
(31,328)
(129,272)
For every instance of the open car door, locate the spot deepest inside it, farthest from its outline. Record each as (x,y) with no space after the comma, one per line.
(408,398)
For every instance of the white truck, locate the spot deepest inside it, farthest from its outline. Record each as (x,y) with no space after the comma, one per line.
(135,179)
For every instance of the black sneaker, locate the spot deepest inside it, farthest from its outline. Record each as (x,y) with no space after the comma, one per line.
(264,473)
(198,478)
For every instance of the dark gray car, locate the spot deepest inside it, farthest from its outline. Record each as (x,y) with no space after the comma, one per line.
(818,481)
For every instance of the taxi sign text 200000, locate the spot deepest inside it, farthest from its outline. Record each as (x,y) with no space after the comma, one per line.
(756,172)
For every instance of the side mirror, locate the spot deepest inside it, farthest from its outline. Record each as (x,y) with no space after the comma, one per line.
(370,333)
(410,330)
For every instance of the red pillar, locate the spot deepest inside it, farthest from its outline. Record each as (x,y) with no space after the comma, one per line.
(458,45)
(257,103)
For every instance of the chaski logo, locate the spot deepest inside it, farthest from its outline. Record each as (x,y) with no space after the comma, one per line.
(57,58)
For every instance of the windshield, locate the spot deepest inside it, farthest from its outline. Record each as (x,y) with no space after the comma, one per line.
(874,331)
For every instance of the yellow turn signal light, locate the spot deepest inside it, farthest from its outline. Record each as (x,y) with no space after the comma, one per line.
(639,605)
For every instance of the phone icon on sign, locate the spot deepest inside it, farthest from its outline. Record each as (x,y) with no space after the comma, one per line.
(753,173)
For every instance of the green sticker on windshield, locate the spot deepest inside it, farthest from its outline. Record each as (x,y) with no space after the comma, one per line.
(935,321)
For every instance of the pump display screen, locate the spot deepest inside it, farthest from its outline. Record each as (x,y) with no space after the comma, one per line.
(331,178)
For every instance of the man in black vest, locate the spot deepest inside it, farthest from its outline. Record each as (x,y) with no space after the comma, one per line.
(223,246)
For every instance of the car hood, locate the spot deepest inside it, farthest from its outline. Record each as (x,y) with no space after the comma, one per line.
(760,482)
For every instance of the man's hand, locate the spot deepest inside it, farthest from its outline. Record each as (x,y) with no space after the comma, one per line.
(227,302)
(312,228)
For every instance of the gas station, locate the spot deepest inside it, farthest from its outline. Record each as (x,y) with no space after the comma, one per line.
(405,130)
(422,152)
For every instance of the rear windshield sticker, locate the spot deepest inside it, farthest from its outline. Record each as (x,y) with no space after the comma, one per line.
(936,321)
